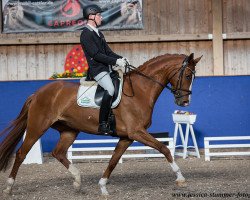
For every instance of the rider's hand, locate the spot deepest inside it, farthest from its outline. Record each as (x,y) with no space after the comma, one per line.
(127,60)
(121,62)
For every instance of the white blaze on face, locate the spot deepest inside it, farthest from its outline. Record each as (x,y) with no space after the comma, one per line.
(190,87)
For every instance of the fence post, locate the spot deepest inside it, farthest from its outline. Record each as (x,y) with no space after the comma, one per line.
(206,148)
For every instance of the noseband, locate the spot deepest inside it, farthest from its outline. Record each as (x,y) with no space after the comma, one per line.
(176,91)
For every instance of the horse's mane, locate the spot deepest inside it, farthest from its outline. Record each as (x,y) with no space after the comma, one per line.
(160,57)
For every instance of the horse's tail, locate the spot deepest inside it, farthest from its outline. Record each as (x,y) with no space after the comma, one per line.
(14,132)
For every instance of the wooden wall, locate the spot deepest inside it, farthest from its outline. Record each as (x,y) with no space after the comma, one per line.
(171,26)
(236,15)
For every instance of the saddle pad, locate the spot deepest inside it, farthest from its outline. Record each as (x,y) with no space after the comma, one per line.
(86,95)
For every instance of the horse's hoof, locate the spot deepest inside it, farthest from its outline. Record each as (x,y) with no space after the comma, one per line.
(77,186)
(104,197)
(181,183)
(7,191)
(105,194)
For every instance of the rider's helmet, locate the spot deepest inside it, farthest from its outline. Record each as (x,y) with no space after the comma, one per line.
(92,9)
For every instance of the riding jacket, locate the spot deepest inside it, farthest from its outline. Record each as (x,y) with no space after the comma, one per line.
(98,54)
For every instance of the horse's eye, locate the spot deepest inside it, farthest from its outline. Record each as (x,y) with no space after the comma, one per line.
(189,77)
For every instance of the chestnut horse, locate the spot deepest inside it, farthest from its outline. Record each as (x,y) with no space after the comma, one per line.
(54,105)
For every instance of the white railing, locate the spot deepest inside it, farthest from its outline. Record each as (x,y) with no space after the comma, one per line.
(93,152)
(208,146)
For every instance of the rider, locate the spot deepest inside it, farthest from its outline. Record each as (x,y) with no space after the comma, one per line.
(100,58)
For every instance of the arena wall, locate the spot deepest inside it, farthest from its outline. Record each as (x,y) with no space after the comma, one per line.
(221,104)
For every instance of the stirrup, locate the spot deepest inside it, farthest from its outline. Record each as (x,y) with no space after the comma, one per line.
(104,128)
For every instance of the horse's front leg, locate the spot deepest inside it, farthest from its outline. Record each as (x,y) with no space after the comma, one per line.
(121,147)
(144,137)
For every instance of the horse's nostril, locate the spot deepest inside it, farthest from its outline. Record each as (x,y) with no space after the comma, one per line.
(185,103)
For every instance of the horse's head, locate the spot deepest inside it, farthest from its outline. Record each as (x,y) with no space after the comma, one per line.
(182,80)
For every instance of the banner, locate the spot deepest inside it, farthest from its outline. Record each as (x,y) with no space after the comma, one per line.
(20,16)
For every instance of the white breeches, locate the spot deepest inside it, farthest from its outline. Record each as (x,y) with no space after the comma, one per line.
(105,81)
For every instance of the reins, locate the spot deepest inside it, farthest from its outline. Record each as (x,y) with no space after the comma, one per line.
(130,68)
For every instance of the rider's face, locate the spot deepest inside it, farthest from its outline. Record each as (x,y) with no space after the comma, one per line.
(97,18)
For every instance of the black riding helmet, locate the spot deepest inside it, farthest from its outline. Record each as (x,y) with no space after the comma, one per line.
(91,10)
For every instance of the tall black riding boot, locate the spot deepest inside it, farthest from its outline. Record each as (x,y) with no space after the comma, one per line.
(104,113)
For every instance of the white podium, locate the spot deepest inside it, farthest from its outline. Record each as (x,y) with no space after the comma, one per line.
(187,120)
(35,155)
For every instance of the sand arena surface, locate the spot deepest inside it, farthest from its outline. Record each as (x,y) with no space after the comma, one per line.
(150,179)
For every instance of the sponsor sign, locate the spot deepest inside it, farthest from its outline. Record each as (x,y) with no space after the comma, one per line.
(21,16)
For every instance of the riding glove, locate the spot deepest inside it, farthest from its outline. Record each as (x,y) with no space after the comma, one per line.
(121,62)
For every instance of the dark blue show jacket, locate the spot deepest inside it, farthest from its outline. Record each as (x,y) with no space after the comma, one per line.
(98,54)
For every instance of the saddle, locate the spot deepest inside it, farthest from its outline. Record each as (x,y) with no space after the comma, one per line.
(90,94)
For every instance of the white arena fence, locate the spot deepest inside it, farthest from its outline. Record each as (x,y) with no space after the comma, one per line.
(208,146)
(93,152)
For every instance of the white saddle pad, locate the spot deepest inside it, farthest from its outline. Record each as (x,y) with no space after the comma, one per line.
(86,94)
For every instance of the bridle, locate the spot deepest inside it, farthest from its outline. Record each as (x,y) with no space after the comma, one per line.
(177,91)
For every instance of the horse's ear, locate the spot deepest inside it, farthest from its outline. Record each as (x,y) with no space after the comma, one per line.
(191,56)
(197,59)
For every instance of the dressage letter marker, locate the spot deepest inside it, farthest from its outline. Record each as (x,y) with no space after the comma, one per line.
(35,155)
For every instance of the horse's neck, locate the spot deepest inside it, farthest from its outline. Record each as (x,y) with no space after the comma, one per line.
(150,86)
(159,72)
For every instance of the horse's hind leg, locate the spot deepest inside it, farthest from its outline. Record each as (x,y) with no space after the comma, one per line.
(66,140)
(32,135)
(121,147)
(145,138)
